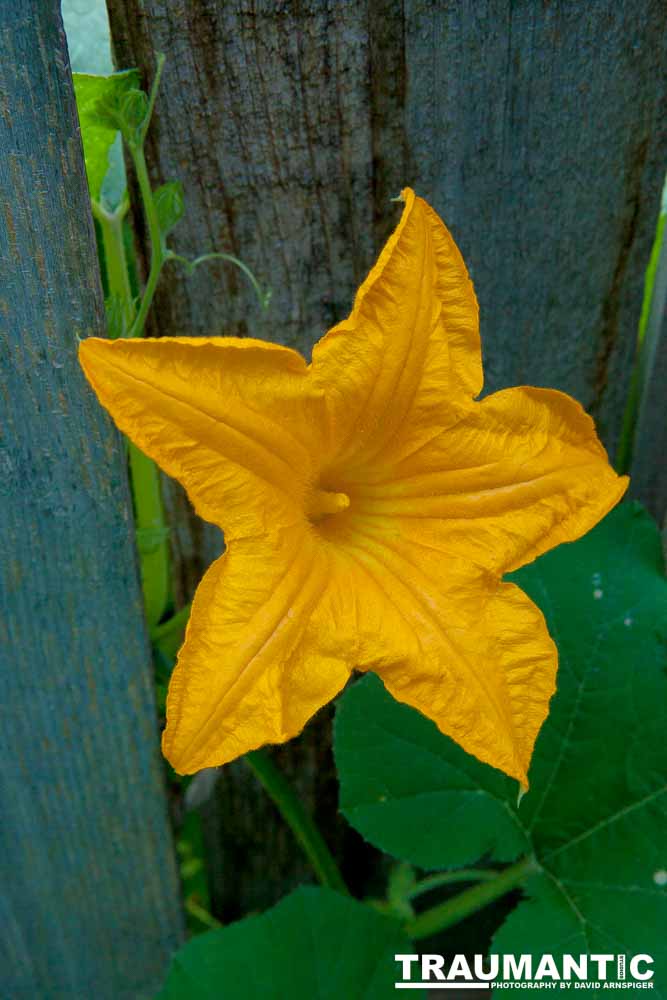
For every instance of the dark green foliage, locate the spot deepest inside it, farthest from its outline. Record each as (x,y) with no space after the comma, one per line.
(595,815)
(414,793)
(314,943)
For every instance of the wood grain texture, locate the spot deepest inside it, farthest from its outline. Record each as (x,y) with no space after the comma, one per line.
(275,155)
(537,131)
(90,900)
(534,129)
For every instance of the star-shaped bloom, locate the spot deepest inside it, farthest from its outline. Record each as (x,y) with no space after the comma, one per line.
(370,507)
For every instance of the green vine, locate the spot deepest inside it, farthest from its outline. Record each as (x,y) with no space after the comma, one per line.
(299,821)
(452,911)
(129,110)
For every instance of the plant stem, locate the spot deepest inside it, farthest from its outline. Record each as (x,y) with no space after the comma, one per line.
(263,296)
(644,356)
(201,914)
(158,249)
(150,523)
(155,86)
(309,837)
(453,910)
(151,533)
(448,878)
(158,254)
(168,635)
(115,258)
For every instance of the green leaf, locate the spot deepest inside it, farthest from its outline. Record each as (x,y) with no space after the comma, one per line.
(596,812)
(169,204)
(414,793)
(114,185)
(314,943)
(98,128)
(133,113)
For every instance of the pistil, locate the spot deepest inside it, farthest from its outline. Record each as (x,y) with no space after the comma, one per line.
(323,503)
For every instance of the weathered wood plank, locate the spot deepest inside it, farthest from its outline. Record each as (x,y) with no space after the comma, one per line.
(537,130)
(264,116)
(532,128)
(90,902)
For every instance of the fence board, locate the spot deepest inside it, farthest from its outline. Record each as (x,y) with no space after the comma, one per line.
(533,128)
(538,132)
(89,904)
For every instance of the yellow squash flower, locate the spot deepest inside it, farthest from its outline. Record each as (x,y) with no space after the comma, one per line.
(370,507)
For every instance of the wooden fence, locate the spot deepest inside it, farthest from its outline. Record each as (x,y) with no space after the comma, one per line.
(89,896)
(534,129)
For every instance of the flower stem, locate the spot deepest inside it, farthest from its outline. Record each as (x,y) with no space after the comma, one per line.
(453,910)
(309,837)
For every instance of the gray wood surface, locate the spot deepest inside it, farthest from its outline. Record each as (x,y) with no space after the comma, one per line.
(89,905)
(536,130)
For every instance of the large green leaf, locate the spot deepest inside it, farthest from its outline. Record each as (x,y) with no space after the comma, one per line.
(314,943)
(101,144)
(595,816)
(414,793)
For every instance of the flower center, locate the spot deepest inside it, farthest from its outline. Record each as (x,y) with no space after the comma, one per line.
(323,503)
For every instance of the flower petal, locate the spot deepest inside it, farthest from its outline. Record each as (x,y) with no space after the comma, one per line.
(410,343)
(481,663)
(260,655)
(491,685)
(236,421)
(506,480)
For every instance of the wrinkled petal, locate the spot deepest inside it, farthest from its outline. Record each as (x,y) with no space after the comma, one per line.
(506,480)
(410,344)
(236,421)
(480,662)
(490,686)
(260,656)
